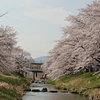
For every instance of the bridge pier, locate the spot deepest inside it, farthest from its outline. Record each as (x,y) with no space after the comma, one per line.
(34,75)
(25,74)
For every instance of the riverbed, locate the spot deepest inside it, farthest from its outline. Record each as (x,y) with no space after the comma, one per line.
(48,95)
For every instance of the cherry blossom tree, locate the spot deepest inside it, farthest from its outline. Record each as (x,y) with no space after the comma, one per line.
(11,55)
(22,58)
(79,48)
(7,43)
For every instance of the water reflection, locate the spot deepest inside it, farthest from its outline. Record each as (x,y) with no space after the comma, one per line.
(50,96)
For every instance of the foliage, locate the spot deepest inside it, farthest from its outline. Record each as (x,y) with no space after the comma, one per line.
(79,49)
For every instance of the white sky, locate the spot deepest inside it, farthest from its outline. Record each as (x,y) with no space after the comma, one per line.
(38,22)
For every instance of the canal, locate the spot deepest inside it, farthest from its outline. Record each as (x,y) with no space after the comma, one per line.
(48,95)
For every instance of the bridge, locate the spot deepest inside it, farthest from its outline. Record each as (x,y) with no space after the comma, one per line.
(37,63)
(23,71)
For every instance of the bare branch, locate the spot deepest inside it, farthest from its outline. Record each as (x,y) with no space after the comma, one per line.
(3,14)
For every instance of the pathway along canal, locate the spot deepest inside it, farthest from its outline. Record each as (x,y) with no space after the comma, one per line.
(49,96)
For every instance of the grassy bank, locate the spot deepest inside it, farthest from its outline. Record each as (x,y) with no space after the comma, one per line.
(11,87)
(85,84)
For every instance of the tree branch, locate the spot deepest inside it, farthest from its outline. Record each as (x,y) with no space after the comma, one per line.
(3,14)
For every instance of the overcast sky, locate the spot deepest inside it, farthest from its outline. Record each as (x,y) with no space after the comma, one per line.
(38,22)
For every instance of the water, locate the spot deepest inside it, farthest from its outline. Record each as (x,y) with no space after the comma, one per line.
(50,96)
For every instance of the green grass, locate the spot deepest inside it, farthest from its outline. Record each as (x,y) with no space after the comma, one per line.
(86,79)
(9,79)
(53,82)
(8,94)
(84,83)
(12,81)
